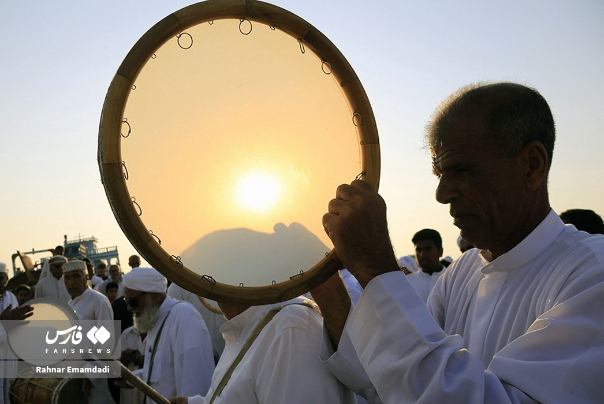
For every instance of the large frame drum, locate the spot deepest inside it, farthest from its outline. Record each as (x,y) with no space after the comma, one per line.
(218,108)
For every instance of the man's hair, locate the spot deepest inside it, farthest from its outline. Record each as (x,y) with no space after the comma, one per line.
(430,235)
(111,285)
(134,259)
(22,287)
(584,219)
(517,115)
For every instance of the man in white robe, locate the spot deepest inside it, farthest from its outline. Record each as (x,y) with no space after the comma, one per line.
(9,310)
(211,319)
(53,285)
(519,319)
(88,305)
(281,365)
(428,250)
(115,275)
(178,350)
(132,346)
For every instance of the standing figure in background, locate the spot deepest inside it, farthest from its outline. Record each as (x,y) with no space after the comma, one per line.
(88,305)
(212,320)
(58,250)
(115,276)
(23,294)
(178,350)
(428,250)
(53,285)
(584,219)
(134,261)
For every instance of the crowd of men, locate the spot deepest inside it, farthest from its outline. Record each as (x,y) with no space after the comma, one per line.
(517,318)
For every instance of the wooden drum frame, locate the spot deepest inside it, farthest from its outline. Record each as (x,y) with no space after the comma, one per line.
(111,162)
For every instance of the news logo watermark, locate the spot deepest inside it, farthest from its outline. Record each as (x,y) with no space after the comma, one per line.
(66,348)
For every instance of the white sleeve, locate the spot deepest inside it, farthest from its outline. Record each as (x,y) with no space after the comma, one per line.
(346,367)
(193,358)
(196,400)
(409,358)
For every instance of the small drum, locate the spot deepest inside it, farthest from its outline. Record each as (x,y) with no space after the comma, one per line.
(46,391)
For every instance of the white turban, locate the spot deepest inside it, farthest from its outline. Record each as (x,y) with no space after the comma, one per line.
(145,280)
(2,267)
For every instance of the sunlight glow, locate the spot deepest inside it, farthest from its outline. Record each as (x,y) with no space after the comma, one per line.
(258,191)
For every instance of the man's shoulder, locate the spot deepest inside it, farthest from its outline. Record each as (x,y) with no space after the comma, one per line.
(572,239)
(96,295)
(10,295)
(300,314)
(181,308)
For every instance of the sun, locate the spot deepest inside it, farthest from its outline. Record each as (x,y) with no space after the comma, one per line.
(258,191)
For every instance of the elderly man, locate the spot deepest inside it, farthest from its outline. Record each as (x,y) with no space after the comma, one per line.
(518,319)
(88,305)
(115,274)
(178,350)
(53,285)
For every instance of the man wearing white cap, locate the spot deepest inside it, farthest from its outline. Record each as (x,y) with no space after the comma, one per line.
(9,310)
(88,305)
(53,285)
(178,348)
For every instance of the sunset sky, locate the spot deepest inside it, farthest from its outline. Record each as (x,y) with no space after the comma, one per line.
(58,58)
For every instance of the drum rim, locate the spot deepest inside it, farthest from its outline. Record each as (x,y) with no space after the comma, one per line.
(110,159)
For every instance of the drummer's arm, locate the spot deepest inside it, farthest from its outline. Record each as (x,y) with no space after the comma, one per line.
(334,301)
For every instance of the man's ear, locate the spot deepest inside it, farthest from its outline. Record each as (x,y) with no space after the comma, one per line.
(537,161)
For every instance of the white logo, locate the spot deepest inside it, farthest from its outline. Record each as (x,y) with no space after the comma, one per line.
(98,335)
(94,335)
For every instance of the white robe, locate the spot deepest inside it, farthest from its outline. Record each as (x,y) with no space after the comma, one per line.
(526,327)
(423,283)
(92,305)
(52,287)
(5,367)
(212,320)
(183,363)
(131,339)
(45,271)
(282,366)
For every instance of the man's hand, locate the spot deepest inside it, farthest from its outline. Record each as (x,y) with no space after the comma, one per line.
(19,313)
(122,384)
(356,224)
(179,400)
(125,356)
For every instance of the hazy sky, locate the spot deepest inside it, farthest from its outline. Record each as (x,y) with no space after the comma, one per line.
(58,58)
